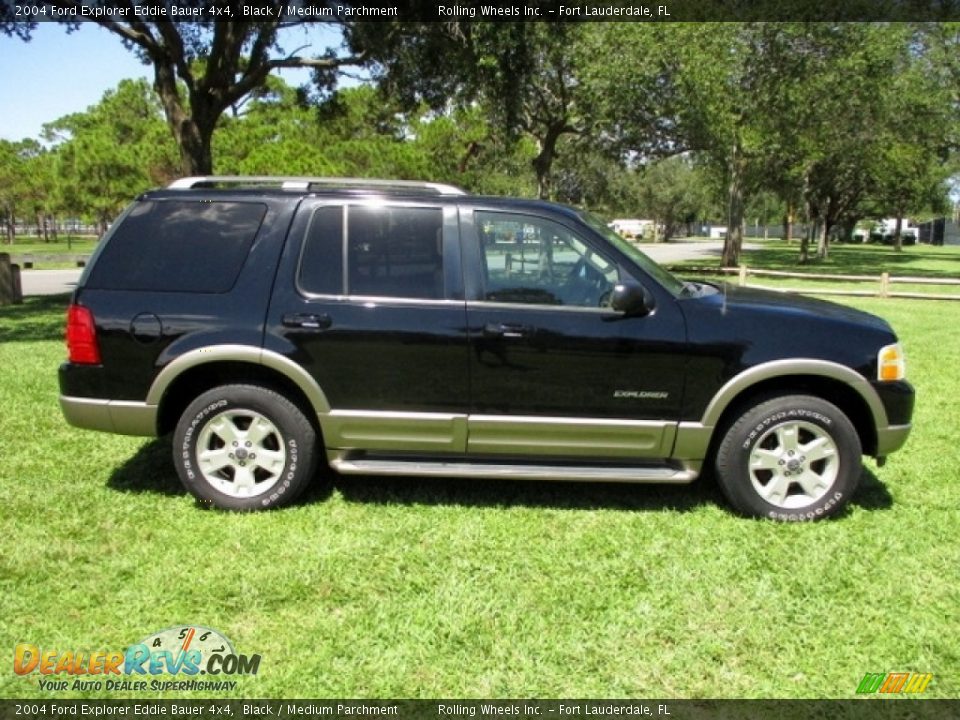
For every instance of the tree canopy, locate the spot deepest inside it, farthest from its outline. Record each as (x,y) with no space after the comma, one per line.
(521,75)
(203,68)
(824,115)
(675,122)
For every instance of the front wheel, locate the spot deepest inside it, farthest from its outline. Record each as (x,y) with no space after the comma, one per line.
(792,458)
(244,447)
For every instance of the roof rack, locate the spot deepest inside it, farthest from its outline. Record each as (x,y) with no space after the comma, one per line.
(307,183)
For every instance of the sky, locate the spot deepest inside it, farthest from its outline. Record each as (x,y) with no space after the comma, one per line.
(57,73)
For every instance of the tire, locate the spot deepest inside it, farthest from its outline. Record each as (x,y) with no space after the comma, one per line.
(793,458)
(244,447)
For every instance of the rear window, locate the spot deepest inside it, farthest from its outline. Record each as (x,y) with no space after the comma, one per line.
(395,252)
(391,251)
(178,246)
(321,270)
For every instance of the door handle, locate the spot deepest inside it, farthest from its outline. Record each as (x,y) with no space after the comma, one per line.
(505,330)
(308,321)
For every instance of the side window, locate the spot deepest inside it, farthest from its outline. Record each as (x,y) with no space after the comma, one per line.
(321,267)
(395,252)
(179,246)
(534,260)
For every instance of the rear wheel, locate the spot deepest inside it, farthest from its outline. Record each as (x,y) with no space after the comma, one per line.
(244,447)
(792,458)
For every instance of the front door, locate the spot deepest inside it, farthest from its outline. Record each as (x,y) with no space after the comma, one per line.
(554,371)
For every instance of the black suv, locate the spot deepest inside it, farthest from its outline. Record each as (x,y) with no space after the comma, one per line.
(403,328)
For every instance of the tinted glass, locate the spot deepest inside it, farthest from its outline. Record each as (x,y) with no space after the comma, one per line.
(321,268)
(662,276)
(179,246)
(395,252)
(534,260)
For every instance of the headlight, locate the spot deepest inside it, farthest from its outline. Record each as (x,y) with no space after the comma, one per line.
(891,364)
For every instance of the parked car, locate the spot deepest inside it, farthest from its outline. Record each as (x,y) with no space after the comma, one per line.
(272,325)
(884,231)
(632,229)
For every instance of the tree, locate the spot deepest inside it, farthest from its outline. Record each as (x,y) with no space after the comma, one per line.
(203,68)
(13,159)
(38,188)
(275,133)
(26,182)
(820,113)
(521,74)
(358,132)
(460,146)
(114,150)
(672,193)
(883,137)
(827,153)
(663,89)
(919,132)
(764,207)
(586,175)
(939,54)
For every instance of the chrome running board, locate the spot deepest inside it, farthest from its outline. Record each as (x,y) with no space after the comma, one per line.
(511,471)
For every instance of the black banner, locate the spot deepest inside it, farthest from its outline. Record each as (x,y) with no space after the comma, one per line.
(471,10)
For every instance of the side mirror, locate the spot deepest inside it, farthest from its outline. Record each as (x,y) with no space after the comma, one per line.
(632,299)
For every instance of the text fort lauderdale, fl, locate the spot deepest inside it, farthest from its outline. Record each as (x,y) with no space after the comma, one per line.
(565,11)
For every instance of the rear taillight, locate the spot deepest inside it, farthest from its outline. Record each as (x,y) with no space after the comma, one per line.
(82,336)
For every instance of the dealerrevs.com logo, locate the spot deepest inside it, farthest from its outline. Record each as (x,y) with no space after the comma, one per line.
(171,659)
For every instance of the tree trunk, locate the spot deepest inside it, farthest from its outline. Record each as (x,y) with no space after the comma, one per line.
(788,224)
(808,233)
(897,230)
(541,166)
(11,227)
(811,213)
(196,156)
(734,240)
(543,162)
(848,227)
(823,242)
(192,132)
(543,185)
(805,243)
(473,149)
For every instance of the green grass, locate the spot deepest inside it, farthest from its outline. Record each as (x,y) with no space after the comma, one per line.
(917,261)
(78,244)
(415,588)
(48,252)
(861,259)
(853,259)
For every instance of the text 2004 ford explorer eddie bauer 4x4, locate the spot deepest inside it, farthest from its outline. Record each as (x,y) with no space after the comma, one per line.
(398,328)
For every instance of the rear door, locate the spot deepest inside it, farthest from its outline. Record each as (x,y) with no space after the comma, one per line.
(369,299)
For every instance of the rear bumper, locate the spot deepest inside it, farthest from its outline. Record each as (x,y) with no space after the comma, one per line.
(115,416)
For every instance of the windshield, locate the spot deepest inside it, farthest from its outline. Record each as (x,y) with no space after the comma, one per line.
(663,277)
